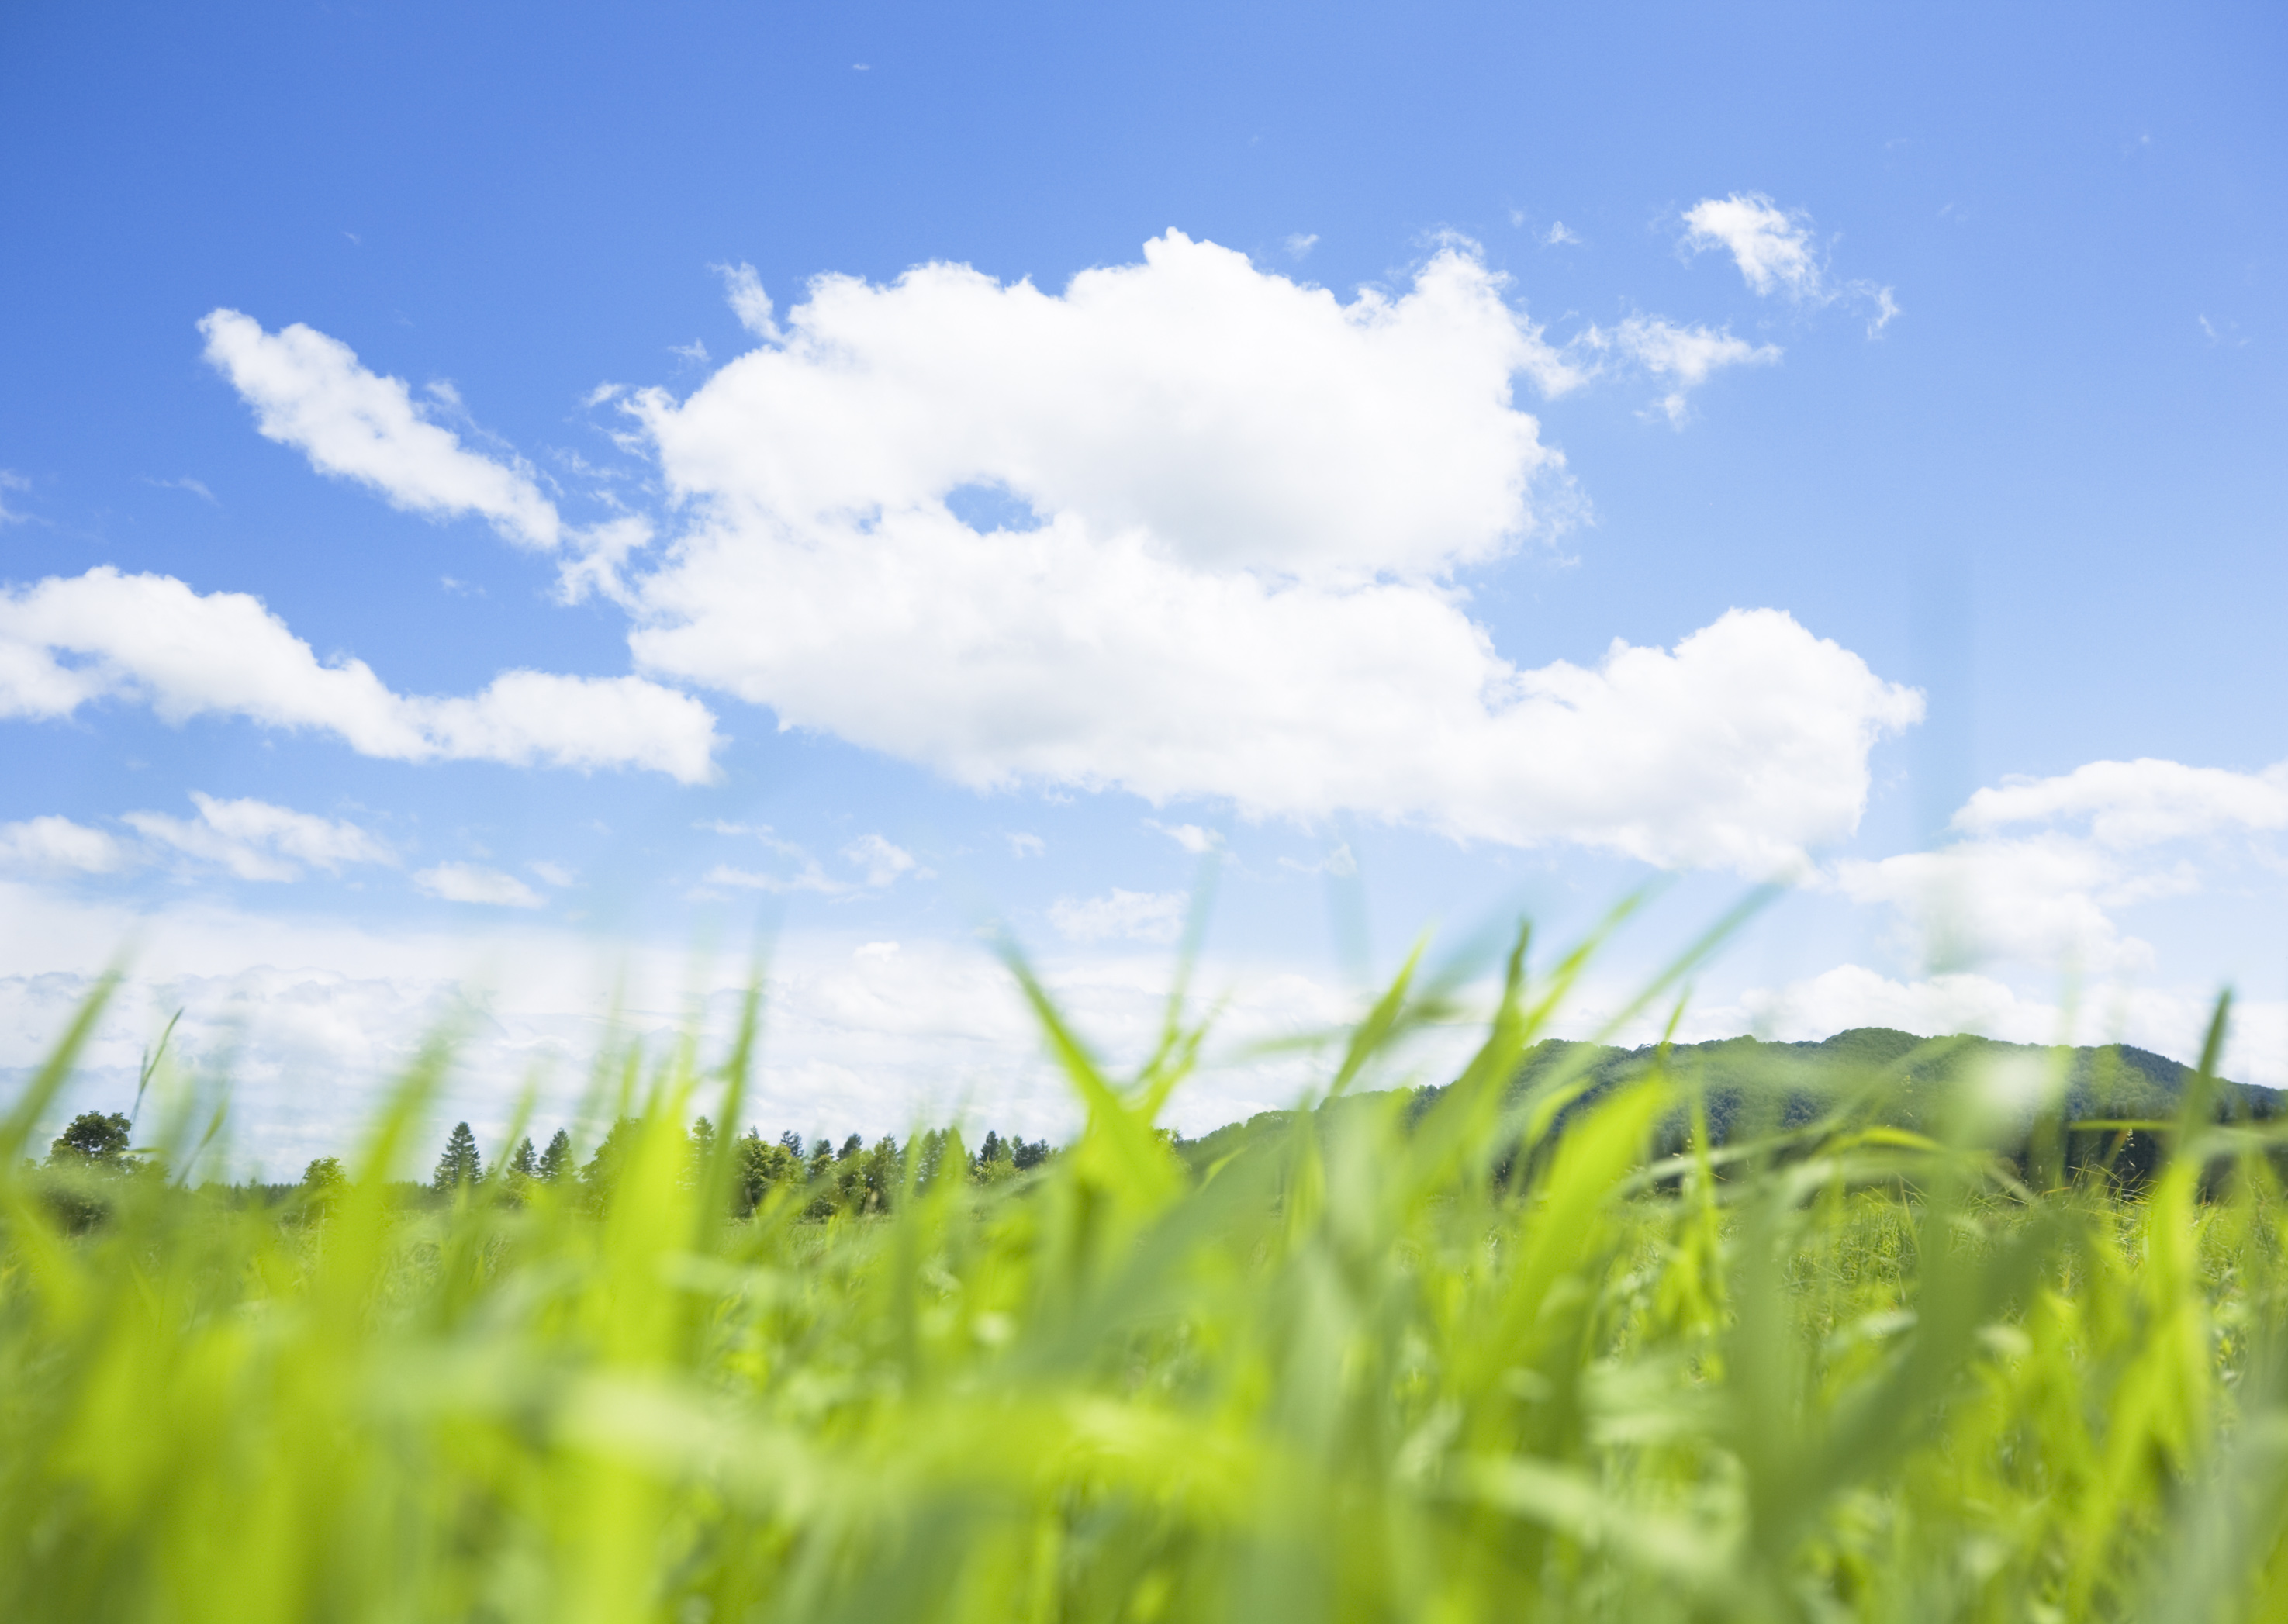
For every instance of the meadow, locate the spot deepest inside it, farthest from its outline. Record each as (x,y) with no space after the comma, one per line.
(1540,1342)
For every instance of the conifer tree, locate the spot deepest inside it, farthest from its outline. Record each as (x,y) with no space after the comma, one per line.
(460,1164)
(524,1164)
(556,1160)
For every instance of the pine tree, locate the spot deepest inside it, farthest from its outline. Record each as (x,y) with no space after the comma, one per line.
(524,1164)
(460,1164)
(556,1160)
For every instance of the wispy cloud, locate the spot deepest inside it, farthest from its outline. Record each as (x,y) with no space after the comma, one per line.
(1777,253)
(1681,357)
(308,391)
(880,864)
(473,882)
(196,487)
(256,840)
(1134,915)
(1337,862)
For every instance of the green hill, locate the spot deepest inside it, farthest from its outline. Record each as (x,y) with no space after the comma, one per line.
(1894,1077)
(1908,1074)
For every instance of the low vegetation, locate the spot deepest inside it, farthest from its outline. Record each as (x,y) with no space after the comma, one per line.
(1669,1335)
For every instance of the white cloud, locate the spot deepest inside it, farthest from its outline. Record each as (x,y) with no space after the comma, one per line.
(1027,845)
(553,874)
(308,391)
(2043,865)
(1300,244)
(11,480)
(1253,499)
(1558,236)
(151,638)
(1234,418)
(1681,356)
(1775,253)
(1771,247)
(1191,837)
(473,882)
(257,841)
(1134,915)
(58,845)
(2044,901)
(2132,804)
(883,862)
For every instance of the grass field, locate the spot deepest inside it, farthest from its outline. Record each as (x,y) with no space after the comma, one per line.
(1489,1353)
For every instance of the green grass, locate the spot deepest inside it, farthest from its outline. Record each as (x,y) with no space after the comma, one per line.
(1489,1353)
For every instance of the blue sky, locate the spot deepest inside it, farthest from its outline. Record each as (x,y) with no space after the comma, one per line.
(1943,345)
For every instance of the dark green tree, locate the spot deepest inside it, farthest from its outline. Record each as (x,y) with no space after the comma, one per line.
(556,1160)
(524,1164)
(995,1160)
(92,1140)
(460,1165)
(851,1146)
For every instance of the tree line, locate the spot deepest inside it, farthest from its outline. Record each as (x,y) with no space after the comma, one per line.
(848,1176)
(851,1176)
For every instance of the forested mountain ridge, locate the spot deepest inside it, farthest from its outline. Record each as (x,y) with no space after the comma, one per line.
(1894,1076)
(2110,1081)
